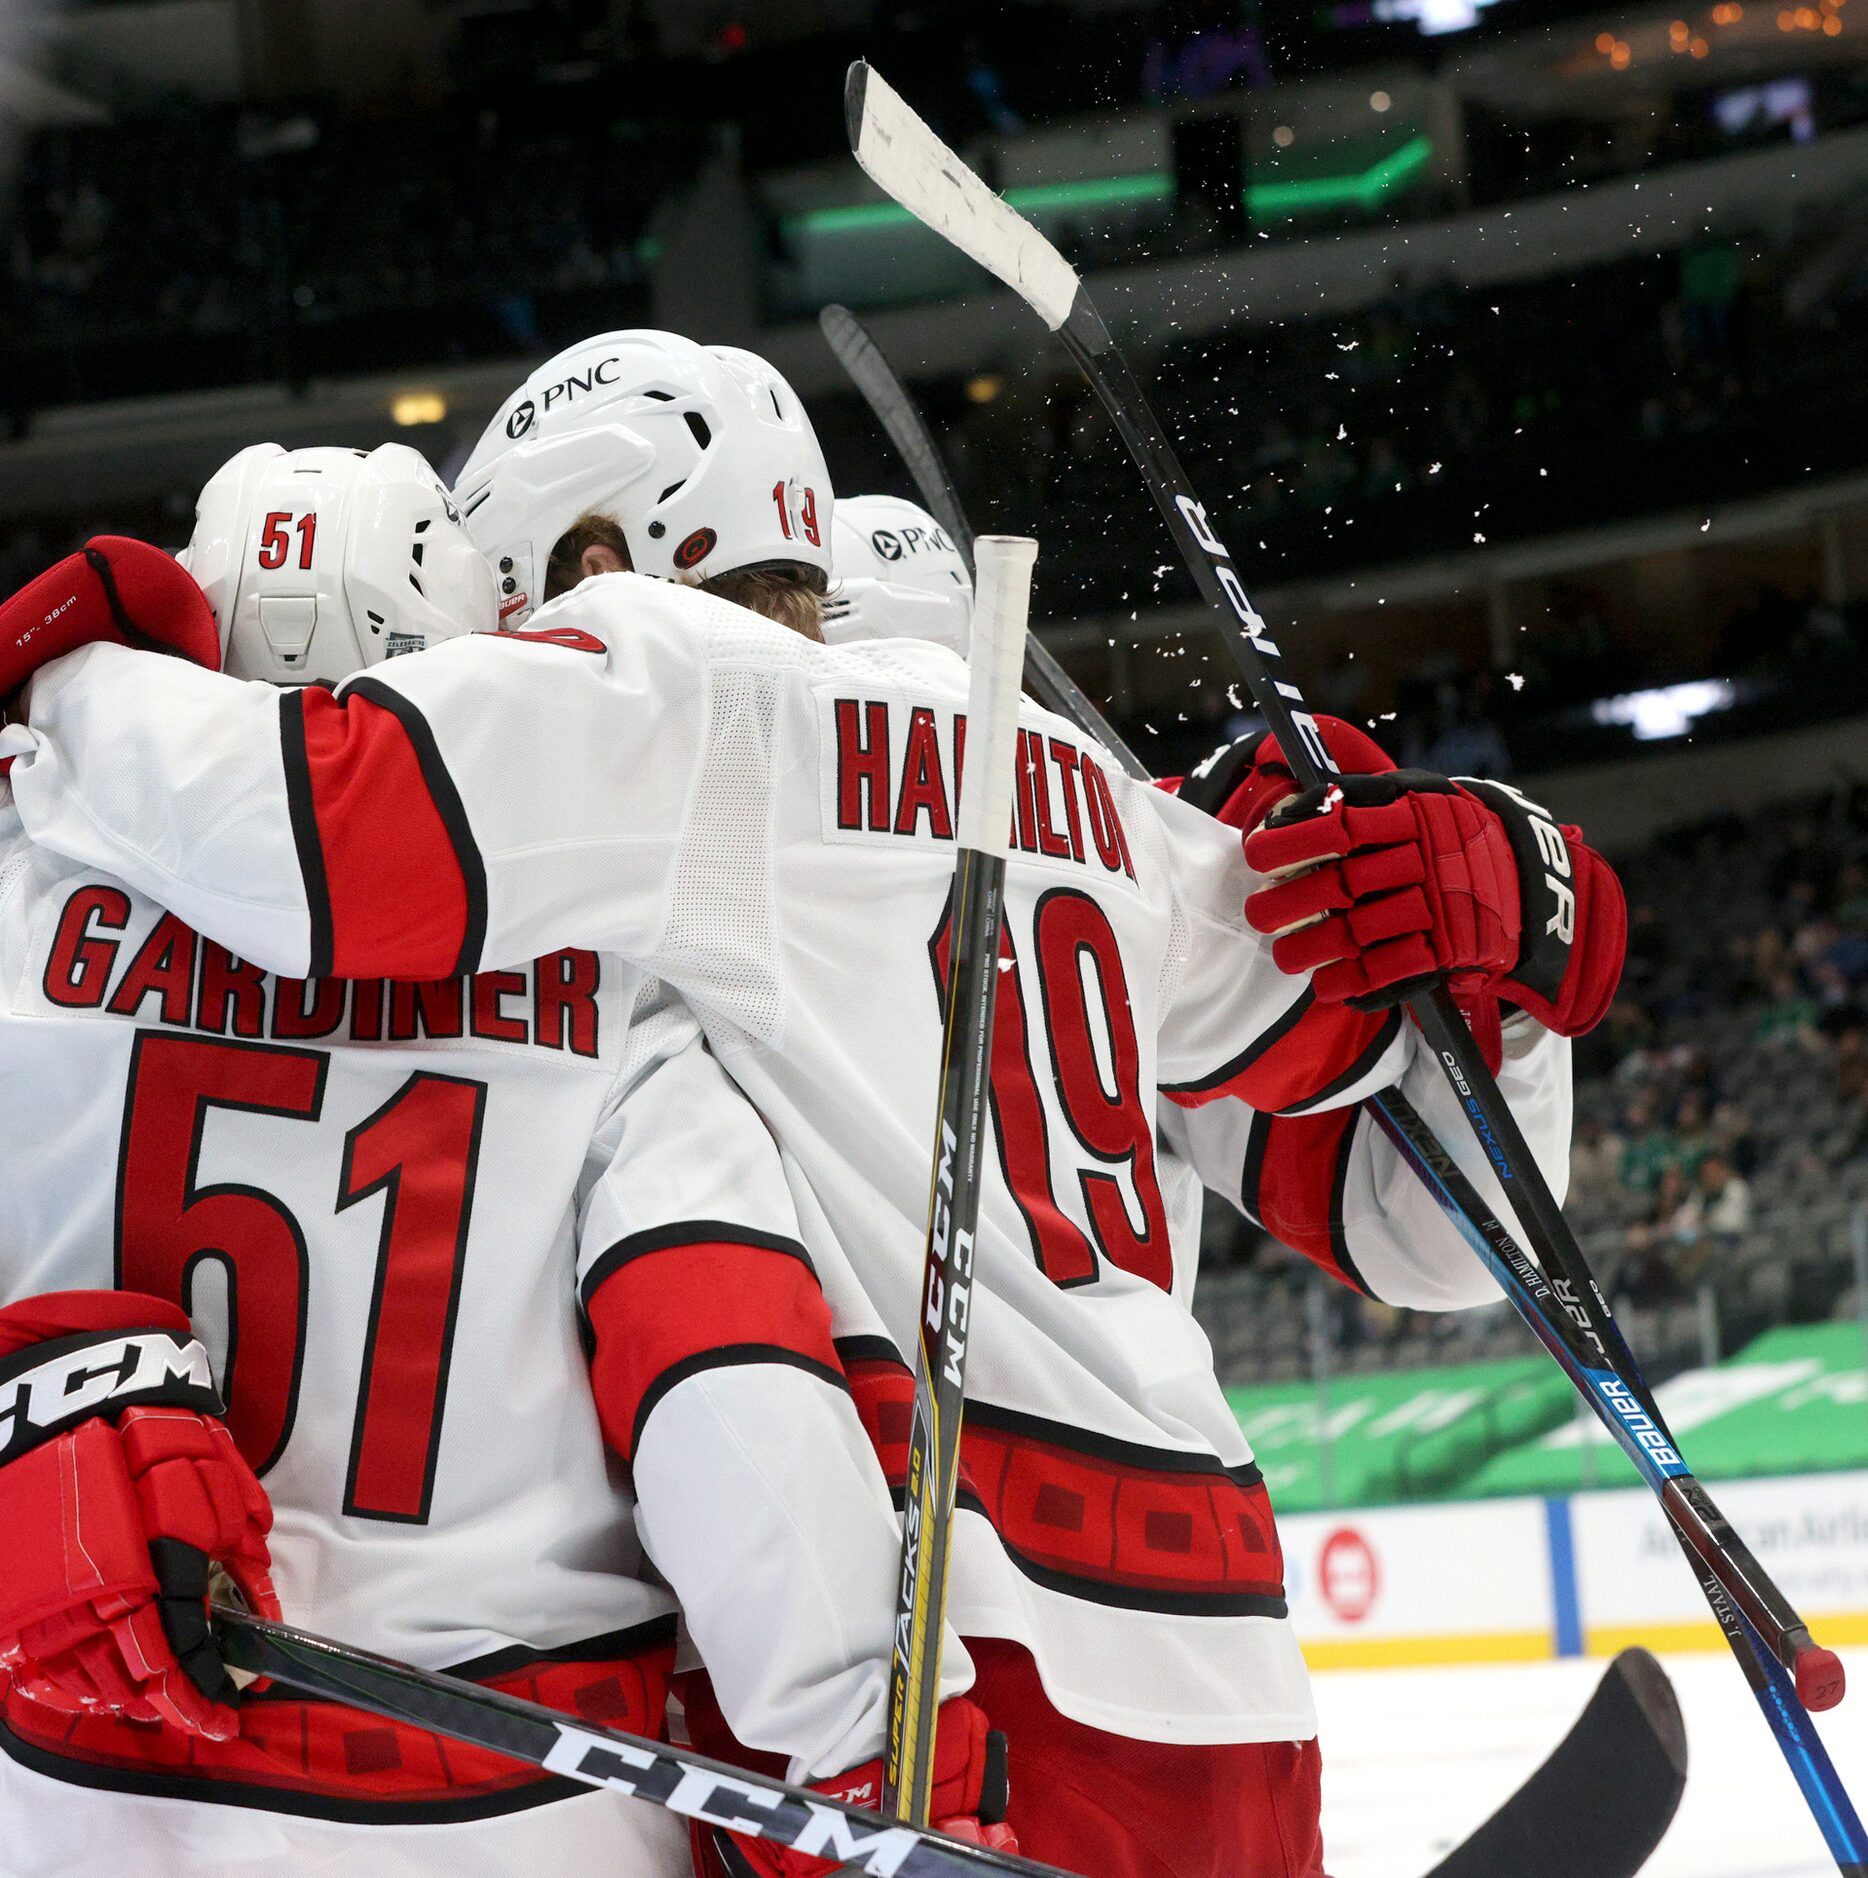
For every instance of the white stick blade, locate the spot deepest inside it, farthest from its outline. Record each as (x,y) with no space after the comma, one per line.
(995,680)
(903,156)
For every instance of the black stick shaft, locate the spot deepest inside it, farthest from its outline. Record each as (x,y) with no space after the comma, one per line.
(1279,697)
(940,1372)
(658,1772)
(886,395)
(943,1328)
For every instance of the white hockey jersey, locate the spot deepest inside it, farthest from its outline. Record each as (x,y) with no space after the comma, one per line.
(445,1241)
(767,824)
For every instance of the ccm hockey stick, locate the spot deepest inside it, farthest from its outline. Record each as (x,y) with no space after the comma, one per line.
(1604,1798)
(1000,609)
(659,1772)
(1562,1300)
(885,394)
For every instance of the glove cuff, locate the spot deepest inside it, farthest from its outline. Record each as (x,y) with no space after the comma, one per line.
(1575,918)
(47,1388)
(114,589)
(1241,783)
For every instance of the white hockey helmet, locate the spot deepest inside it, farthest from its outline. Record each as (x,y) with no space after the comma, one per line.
(320,562)
(702,455)
(899,576)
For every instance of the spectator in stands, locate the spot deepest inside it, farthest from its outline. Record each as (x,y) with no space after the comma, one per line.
(1790,1016)
(1806,869)
(1692,1128)
(1649,1150)
(1846,1027)
(1651,1272)
(1716,1210)
(1595,1160)
(1733,1138)
(1469,742)
(1852,897)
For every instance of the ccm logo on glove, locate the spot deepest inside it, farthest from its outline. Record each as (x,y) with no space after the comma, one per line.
(89,1376)
(121,1493)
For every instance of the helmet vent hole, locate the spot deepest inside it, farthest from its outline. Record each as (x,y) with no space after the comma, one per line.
(698,426)
(778,410)
(421,527)
(665,397)
(671,489)
(417,585)
(415,553)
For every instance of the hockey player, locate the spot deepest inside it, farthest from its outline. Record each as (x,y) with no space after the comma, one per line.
(1328,1184)
(898,576)
(767,823)
(398,1216)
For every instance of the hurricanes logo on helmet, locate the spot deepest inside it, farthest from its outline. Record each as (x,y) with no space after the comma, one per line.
(521,419)
(696,548)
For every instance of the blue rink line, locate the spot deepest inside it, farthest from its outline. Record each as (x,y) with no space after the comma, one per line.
(1566,1606)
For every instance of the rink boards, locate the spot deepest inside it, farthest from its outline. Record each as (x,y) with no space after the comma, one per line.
(1517,1580)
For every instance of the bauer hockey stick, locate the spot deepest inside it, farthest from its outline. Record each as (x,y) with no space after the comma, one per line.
(888,398)
(660,1772)
(901,154)
(1604,1798)
(982,833)
(1784,1712)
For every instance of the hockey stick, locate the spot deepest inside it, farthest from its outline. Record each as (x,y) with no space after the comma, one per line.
(982,833)
(888,398)
(659,1772)
(1602,1801)
(902,155)
(1784,1713)
(1625,1755)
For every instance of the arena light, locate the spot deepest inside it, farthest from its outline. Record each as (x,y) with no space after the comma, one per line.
(1434,16)
(1666,710)
(418,407)
(1363,188)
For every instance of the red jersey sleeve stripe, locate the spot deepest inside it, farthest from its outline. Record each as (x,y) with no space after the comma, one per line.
(1386,1025)
(1296,1171)
(1191,1095)
(663,1307)
(305,837)
(394,878)
(1311,1053)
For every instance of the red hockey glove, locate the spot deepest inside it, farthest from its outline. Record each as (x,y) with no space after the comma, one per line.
(1385,884)
(114,589)
(1241,783)
(968,1803)
(120,1492)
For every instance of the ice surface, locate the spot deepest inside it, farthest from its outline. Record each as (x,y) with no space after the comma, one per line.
(1413,1759)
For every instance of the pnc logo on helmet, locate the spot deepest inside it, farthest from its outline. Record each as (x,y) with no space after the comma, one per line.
(885,544)
(521,419)
(696,548)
